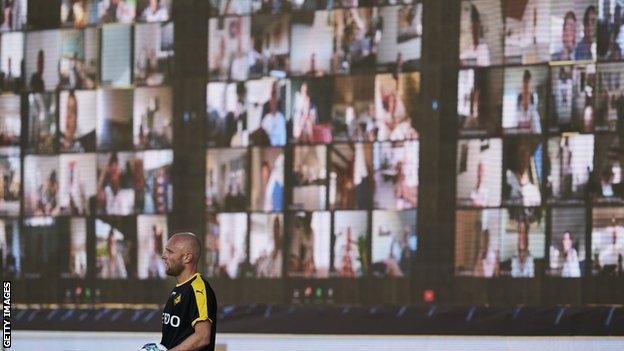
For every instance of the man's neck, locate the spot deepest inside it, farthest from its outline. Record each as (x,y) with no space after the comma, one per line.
(185,275)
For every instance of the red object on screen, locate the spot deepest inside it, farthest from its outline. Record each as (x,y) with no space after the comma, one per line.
(428,295)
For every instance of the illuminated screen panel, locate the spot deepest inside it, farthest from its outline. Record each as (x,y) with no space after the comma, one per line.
(481,33)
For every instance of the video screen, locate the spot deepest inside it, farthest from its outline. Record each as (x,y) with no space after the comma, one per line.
(79,13)
(395,112)
(567,242)
(154,10)
(266,118)
(265,244)
(152,238)
(480,102)
(356,36)
(11,61)
(312,43)
(153,53)
(351,245)
(573,29)
(607,185)
(309,178)
(42,123)
(353,108)
(77,120)
(226,245)
(227,115)
(14,15)
(226,180)
(478,243)
(116,11)
(10,181)
(479,172)
(41,187)
(78,62)
(572,98)
(267,179)
(351,176)
(522,167)
(270,46)
(114,119)
(10,120)
(308,235)
(523,242)
(116,247)
(395,168)
(310,110)
(569,166)
(481,33)
(394,243)
(77,183)
(607,247)
(525,99)
(609,97)
(525,25)
(153,118)
(229,48)
(116,55)
(55,247)
(42,55)
(399,29)
(11,249)
(610,42)
(116,184)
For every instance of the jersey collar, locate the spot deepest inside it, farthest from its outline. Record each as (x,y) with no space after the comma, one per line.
(188,280)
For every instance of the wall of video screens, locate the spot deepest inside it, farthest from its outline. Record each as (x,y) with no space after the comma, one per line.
(312,148)
(86,117)
(541,139)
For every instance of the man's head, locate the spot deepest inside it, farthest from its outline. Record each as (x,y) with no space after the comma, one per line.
(589,24)
(181,252)
(569,32)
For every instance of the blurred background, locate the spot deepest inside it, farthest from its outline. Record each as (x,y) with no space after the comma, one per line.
(362,174)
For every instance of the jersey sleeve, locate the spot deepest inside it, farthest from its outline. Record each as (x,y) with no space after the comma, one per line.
(201,299)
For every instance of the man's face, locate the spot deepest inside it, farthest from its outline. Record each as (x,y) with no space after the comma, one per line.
(590,27)
(569,35)
(173,259)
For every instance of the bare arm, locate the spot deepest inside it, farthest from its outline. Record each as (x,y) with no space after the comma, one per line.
(200,338)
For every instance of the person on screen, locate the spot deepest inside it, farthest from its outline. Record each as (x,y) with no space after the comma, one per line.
(568,38)
(47,203)
(479,195)
(301,253)
(487,261)
(570,266)
(274,122)
(75,200)
(274,188)
(118,11)
(7,16)
(609,255)
(156,268)
(68,140)
(527,114)
(584,49)
(115,267)
(606,182)
(304,117)
(522,265)
(349,252)
(521,189)
(478,52)
(155,12)
(37,85)
(270,265)
(111,196)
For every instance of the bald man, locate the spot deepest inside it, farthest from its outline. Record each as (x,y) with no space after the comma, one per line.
(189,318)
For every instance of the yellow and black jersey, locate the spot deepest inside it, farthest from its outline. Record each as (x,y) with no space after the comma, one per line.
(190,302)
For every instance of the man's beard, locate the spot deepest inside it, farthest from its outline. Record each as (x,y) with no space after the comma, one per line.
(174,271)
